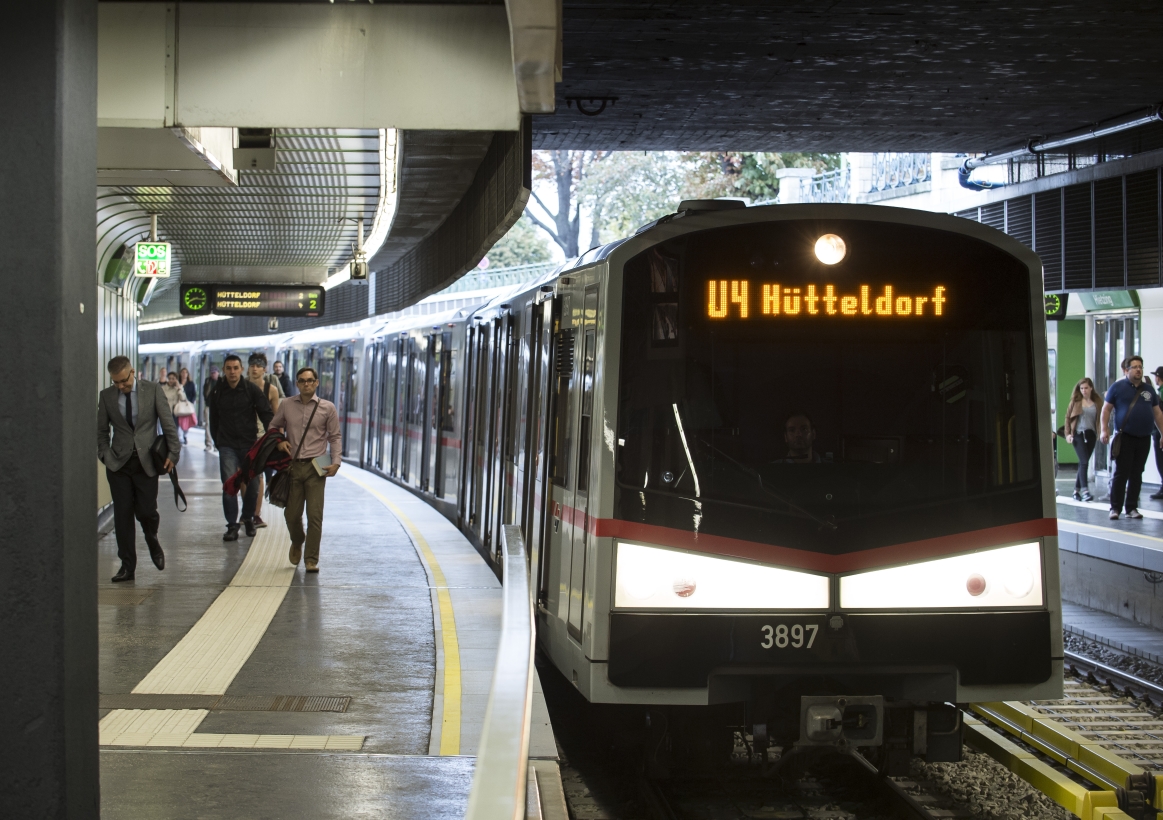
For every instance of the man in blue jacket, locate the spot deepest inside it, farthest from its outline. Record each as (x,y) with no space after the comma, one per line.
(1135,406)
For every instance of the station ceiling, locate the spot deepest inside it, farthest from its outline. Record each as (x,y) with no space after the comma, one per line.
(847,76)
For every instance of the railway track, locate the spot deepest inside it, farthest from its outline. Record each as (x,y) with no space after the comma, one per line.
(1096,752)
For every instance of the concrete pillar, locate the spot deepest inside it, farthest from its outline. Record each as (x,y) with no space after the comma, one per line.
(48,607)
(792,184)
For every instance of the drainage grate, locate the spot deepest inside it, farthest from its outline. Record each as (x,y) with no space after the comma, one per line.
(230,703)
(122,597)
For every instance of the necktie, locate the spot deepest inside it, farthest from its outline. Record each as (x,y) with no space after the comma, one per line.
(129,409)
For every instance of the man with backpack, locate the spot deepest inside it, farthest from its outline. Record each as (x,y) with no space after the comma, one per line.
(237,405)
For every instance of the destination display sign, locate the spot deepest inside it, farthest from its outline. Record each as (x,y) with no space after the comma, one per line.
(252,300)
(151,259)
(734,299)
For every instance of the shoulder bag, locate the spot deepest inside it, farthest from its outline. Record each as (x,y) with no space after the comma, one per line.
(160,451)
(183,408)
(1116,444)
(279,487)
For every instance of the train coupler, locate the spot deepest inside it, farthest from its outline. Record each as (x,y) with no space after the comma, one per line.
(841,721)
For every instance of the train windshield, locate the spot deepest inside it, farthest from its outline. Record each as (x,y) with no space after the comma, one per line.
(885,398)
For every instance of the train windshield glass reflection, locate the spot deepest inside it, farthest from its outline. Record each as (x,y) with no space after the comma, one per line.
(899,379)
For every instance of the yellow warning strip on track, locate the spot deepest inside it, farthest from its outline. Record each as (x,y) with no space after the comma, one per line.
(1063,745)
(451,714)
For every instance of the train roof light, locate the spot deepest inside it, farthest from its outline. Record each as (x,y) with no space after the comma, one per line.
(830,249)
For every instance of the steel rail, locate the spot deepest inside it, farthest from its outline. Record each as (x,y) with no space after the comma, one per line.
(1117,678)
(500,779)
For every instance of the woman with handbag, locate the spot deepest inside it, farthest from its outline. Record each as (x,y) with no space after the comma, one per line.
(1081,428)
(185,412)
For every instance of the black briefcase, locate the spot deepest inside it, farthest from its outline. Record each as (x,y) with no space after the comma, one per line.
(159,451)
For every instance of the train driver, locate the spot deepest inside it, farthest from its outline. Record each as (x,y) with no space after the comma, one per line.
(799,434)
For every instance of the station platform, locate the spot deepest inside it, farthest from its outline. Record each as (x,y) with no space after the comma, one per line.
(1112,567)
(234,685)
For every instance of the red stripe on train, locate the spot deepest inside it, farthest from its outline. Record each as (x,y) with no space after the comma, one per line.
(805,559)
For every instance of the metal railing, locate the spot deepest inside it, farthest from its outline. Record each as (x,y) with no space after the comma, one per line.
(894,170)
(500,277)
(500,779)
(830,186)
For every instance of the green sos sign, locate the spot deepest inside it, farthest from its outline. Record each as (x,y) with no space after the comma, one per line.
(151,259)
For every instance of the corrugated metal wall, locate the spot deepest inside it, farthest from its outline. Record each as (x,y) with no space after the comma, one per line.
(1100,235)
(116,336)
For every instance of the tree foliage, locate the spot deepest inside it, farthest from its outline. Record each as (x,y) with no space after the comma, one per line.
(522,245)
(622,190)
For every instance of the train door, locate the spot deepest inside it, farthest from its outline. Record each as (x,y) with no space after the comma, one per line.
(588,341)
(352,422)
(387,399)
(559,529)
(372,412)
(540,344)
(494,458)
(507,452)
(429,429)
(443,416)
(407,415)
(467,427)
(481,430)
(399,363)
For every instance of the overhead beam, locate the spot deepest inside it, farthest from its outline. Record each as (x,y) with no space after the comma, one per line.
(535,32)
(274,65)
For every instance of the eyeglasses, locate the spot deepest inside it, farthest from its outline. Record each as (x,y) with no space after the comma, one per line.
(126,380)
(304,381)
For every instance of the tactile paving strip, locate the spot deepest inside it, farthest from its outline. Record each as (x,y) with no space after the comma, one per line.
(229,703)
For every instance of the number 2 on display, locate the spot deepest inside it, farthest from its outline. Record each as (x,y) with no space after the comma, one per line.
(782,636)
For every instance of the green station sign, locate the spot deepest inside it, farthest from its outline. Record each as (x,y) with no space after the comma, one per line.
(1107,300)
(151,259)
(251,300)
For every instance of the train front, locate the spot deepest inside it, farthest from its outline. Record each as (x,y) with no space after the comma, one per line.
(832,488)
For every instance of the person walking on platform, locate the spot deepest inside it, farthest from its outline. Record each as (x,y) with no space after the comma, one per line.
(207,386)
(310,424)
(184,411)
(1135,406)
(133,408)
(237,406)
(283,376)
(257,373)
(1082,432)
(1158,494)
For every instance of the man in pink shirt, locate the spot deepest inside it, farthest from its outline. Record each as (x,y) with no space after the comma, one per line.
(310,423)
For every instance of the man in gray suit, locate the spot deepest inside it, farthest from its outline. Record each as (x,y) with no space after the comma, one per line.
(133,408)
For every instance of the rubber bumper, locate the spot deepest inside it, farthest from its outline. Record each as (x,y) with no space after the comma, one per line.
(680,650)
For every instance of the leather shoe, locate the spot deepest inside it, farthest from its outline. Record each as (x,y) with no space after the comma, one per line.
(123,574)
(296,554)
(249,524)
(231,533)
(1157,495)
(312,566)
(155,551)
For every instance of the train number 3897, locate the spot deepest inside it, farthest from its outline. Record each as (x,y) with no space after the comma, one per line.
(797,636)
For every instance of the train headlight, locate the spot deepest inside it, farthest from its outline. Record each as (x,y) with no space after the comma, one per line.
(1004,577)
(656,578)
(830,249)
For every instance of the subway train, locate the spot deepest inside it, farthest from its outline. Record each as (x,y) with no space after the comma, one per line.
(785,469)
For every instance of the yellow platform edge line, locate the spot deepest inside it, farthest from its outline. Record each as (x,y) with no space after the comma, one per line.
(1072,796)
(450,719)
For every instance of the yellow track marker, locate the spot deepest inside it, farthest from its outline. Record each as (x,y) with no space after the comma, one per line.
(450,720)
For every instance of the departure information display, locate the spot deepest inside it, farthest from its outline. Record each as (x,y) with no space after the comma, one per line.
(252,300)
(741,299)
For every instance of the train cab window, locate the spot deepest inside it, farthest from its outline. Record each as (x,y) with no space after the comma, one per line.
(912,363)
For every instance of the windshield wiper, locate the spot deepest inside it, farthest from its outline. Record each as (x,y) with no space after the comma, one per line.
(828,523)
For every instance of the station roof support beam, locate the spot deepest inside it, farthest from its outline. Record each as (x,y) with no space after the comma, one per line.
(268,65)
(535,30)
